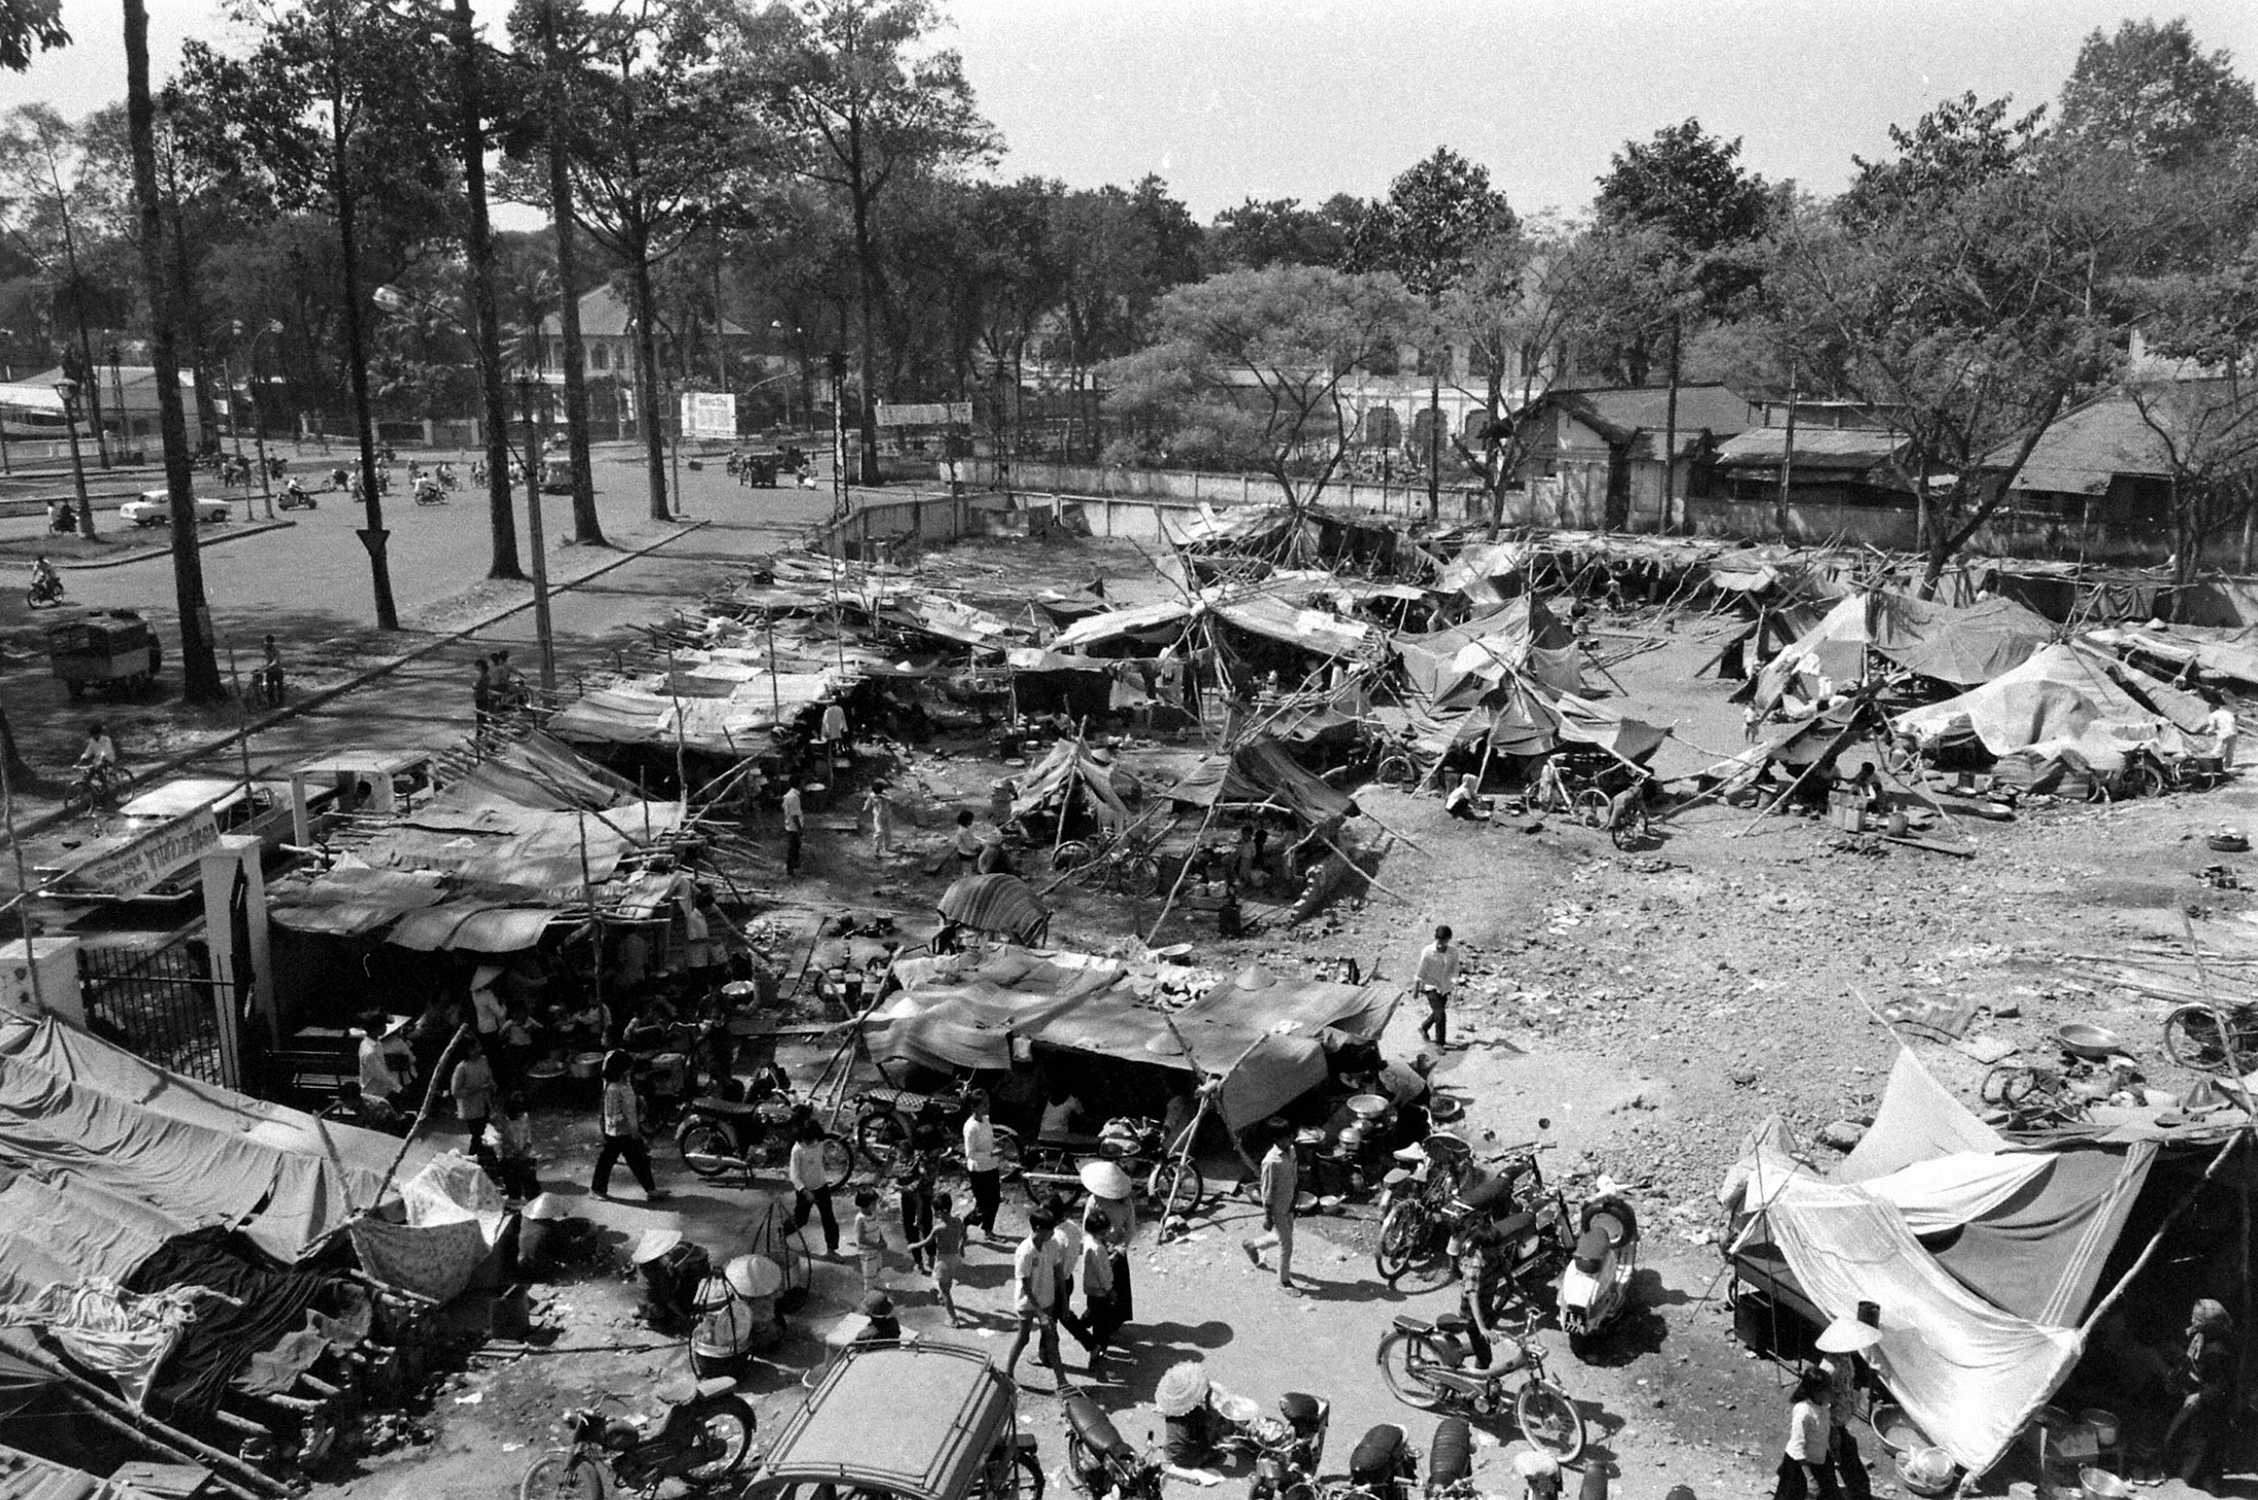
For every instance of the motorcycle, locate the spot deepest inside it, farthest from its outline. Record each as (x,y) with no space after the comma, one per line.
(1450,1462)
(295,496)
(428,492)
(1286,1449)
(1509,1238)
(1099,1460)
(890,1123)
(1596,1284)
(1437,1365)
(705,1438)
(446,476)
(1383,1467)
(1137,1144)
(45,590)
(717,1136)
(1412,1203)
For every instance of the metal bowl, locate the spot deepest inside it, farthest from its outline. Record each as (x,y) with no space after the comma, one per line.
(2084,1039)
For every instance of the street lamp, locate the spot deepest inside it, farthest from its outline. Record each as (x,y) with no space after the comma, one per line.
(258,414)
(528,384)
(68,390)
(798,333)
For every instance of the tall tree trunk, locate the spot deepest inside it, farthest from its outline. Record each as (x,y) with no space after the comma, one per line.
(871,284)
(479,247)
(373,534)
(647,378)
(199,670)
(587,530)
(18,771)
(93,377)
(1670,437)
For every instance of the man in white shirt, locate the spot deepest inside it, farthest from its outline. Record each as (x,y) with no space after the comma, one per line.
(795,824)
(981,1165)
(834,730)
(1436,978)
(2225,730)
(1036,1268)
(383,1072)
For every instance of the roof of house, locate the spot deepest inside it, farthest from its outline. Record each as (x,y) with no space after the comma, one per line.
(1834,448)
(604,315)
(2092,443)
(1620,413)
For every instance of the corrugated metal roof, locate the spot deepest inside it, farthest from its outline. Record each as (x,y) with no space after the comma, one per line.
(1815,447)
(2090,445)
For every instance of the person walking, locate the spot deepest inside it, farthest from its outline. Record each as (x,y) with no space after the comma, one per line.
(811,1184)
(1838,1345)
(1435,978)
(482,694)
(510,1157)
(270,674)
(833,732)
(472,1083)
(2196,1442)
(2225,732)
(913,1189)
(944,1249)
(1101,1308)
(1112,1204)
(1035,1276)
(1804,1471)
(982,1167)
(623,1133)
(878,802)
(870,1240)
(1281,1182)
(795,826)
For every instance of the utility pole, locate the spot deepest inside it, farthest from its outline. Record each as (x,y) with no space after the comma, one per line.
(527,385)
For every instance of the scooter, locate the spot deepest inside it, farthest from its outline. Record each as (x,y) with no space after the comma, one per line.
(45,590)
(1099,1460)
(1438,1364)
(705,1437)
(1596,1284)
(429,493)
(294,496)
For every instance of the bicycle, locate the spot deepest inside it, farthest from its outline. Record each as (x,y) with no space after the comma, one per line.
(2031,1098)
(1603,795)
(96,786)
(1125,861)
(2213,1038)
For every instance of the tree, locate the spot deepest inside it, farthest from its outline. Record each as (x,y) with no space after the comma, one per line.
(1280,232)
(199,667)
(486,322)
(2207,431)
(316,120)
(859,101)
(45,165)
(1248,368)
(27,26)
(2152,94)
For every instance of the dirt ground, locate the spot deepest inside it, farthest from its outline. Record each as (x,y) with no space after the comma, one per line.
(1653,1006)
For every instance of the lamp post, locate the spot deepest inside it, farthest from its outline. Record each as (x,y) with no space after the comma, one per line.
(798,333)
(528,384)
(258,412)
(68,390)
(8,374)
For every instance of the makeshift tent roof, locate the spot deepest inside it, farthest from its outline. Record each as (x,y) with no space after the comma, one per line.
(2066,695)
(996,903)
(2211,651)
(103,1156)
(1317,630)
(1959,646)
(1071,778)
(1260,773)
(1520,637)
(1261,1032)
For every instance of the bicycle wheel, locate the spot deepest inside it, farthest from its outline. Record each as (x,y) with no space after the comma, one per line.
(1400,1355)
(1591,807)
(2196,1036)
(706,1149)
(1008,1163)
(1071,855)
(2008,1085)
(1137,875)
(726,1437)
(2146,779)
(838,1160)
(1630,828)
(1549,1420)
(1395,770)
(1178,1187)
(1403,1233)
(882,1138)
(561,1476)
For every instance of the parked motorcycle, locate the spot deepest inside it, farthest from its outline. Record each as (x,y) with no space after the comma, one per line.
(719,1136)
(1596,1283)
(1450,1462)
(890,1123)
(1137,1144)
(1100,1462)
(1509,1238)
(704,1438)
(1286,1449)
(1413,1231)
(1436,1365)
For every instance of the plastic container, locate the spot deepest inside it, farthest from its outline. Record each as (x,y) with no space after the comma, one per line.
(2103,1423)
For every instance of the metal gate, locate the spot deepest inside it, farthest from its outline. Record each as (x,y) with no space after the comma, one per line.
(159,1002)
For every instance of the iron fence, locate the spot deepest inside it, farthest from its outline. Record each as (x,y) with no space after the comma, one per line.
(159,1002)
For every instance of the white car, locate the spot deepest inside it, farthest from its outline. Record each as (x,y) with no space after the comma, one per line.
(154,508)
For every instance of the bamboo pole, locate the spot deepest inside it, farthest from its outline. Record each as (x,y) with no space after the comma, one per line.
(430,1101)
(229,1471)
(2148,1251)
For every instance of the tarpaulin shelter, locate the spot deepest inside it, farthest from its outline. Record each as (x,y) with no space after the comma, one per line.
(1002,904)
(1260,773)
(2064,696)
(1519,718)
(1521,637)
(1962,647)
(1072,783)
(1263,1035)
(1985,1258)
(2209,652)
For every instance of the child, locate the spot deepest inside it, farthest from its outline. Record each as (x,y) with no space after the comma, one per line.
(870,1239)
(913,1181)
(946,1247)
(509,1139)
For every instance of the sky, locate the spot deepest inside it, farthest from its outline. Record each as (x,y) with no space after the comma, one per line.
(1232,99)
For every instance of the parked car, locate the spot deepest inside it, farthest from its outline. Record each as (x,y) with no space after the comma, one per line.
(922,1421)
(154,508)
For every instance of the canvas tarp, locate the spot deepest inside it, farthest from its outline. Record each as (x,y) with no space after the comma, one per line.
(1316,630)
(1917,1121)
(2064,696)
(996,903)
(2212,652)
(1071,779)
(1959,646)
(1261,773)
(1262,1031)
(1521,638)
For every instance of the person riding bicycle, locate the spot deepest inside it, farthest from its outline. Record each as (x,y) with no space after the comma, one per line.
(445,473)
(44,578)
(98,761)
(340,478)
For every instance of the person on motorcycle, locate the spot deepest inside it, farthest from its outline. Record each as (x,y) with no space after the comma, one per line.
(294,493)
(45,581)
(445,474)
(61,519)
(427,490)
(1194,1427)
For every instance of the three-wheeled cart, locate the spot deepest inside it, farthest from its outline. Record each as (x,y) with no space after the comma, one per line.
(110,650)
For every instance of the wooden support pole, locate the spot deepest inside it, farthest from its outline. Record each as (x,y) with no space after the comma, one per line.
(232,1473)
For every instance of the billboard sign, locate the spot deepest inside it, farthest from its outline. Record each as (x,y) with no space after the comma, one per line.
(709,414)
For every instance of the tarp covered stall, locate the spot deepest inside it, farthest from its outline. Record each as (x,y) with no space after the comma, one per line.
(1521,638)
(1260,773)
(2065,695)
(1264,1033)
(1071,782)
(1958,646)
(1002,904)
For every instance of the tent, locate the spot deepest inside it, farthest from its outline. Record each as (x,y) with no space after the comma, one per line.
(2064,696)
(1958,646)
(1070,782)
(1262,1034)
(1985,1256)
(1521,637)
(996,903)
(1260,773)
